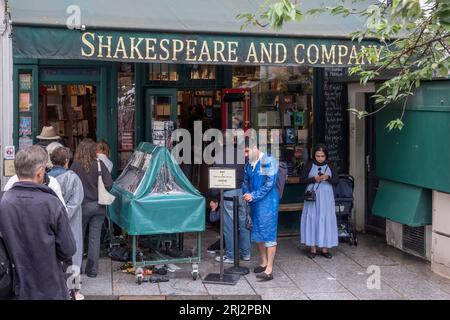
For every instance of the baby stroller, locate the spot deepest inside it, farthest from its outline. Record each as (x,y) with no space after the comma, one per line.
(343,197)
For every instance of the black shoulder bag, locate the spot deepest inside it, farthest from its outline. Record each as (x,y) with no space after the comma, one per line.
(310,195)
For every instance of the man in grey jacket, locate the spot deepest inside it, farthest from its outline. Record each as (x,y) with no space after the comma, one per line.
(36,230)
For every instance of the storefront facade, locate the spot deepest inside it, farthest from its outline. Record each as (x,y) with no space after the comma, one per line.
(116,83)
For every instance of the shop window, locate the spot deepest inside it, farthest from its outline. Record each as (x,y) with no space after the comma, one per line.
(203,72)
(163,72)
(71,110)
(199,105)
(126,113)
(281,103)
(25,109)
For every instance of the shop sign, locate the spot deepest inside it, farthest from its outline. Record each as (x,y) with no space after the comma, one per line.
(187,48)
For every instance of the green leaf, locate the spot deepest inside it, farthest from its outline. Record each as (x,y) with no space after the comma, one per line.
(395,124)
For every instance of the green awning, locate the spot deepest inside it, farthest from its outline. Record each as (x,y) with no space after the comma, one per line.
(403,203)
(179,31)
(136,46)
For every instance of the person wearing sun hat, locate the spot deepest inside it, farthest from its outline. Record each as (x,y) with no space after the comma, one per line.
(47,136)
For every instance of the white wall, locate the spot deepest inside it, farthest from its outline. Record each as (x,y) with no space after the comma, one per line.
(356,99)
(6,87)
(440,246)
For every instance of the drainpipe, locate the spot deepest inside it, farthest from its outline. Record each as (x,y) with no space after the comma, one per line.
(6,85)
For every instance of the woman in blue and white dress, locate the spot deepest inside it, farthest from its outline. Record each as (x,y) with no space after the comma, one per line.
(318,225)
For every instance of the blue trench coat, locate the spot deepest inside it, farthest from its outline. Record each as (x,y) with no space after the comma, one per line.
(261,183)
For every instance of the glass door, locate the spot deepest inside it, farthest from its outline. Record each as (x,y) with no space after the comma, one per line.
(161,116)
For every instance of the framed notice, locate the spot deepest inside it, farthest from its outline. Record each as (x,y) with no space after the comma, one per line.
(24,102)
(222,178)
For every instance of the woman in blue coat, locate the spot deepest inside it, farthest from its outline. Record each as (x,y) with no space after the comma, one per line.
(260,191)
(318,223)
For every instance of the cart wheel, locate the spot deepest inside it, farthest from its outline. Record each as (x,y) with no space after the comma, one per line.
(195,271)
(139,275)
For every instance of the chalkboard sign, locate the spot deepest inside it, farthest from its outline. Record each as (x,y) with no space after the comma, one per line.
(336,135)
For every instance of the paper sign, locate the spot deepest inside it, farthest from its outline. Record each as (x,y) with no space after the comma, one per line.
(9,169)
(221,178)
(10,153)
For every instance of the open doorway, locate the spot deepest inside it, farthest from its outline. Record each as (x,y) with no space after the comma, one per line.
(71,110)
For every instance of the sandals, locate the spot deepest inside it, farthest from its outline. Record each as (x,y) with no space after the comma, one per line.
(312,255)
(264,276)
(259,269)
(326,255)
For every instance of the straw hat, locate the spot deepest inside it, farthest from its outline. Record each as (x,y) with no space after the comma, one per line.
(48,133)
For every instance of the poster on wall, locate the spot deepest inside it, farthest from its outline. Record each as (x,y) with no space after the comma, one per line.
(290,136)
(25,82)
(24,126)
(25,141)
(24,102)
(298,118)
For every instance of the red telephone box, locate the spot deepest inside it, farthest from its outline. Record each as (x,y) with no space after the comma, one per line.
(236,104)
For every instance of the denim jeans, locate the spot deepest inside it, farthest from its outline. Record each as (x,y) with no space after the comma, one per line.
(244,234)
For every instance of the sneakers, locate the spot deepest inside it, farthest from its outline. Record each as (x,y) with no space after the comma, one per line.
(225,260)
(228,260)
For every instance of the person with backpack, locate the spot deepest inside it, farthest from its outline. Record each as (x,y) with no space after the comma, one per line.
(36,231)
(318,226)
(260,192)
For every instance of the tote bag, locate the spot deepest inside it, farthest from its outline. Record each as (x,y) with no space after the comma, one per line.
(104,197)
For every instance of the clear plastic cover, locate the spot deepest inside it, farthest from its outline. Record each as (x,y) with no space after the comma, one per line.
(132,176)
(165,183)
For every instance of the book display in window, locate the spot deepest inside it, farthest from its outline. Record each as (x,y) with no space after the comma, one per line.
(68,108)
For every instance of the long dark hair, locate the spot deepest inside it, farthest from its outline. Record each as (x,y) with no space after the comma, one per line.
(320,147)
(86,153)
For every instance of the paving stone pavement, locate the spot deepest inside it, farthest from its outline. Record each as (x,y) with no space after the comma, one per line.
(296,277)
